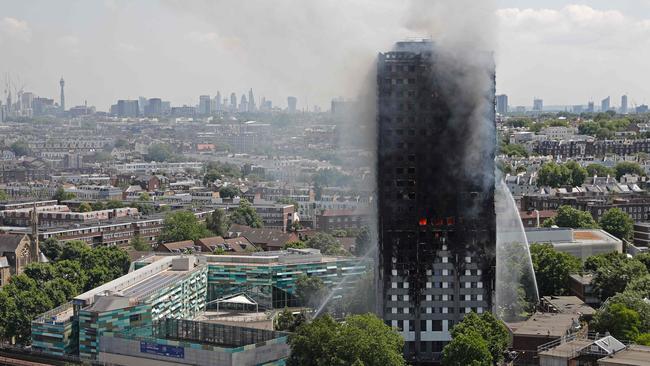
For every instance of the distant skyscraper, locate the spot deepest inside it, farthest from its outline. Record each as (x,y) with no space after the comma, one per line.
(126,108)
(233,102)
(538,105)
(291,104)
(154,108)
(142,105)
(217,100)
(62,104)
(26,101)
(502,104)
(205,105)
(251,101)
(624,104)
(604,105)
(243,104)
(436,211)
(166,107)
(590,107)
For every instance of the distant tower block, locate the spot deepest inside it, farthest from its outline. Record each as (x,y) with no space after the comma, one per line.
(62,83)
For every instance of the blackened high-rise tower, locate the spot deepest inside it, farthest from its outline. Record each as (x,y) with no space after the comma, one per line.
(435,183)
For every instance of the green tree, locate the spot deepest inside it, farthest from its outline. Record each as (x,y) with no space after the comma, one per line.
(144,197)
(97,205)
(553,175)
(643,339)
(515,150)
(289,201)
(359,340)
(467,349)
(73,250)
(287,321)
(61,195)
(60,290)
(140,244)
(182,225)
(28,301)
(618,223)
(568,216)
(552,269)
(159,153)
(85,207)
(599,170)
(644,258)
(326,243)
(51,248)
(295,245)
(121,143)
(74,267)
(71,271)
(245,214)
(113,204)
(613,277)
(640,285)
(604,134)
(218,222)
(40,272)
(594,262)
(229,191)
(588,128)
(489,328)
(3,196)
(577,172)
(363,241)
(216,170)
(310,290)
(20,148)
(620,321)
(627,167)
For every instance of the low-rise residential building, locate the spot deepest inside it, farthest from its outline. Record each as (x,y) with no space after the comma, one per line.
(96,193)
(580,285)
(521,184)
(264,238)
(536,218)
(642,234)
(330,220)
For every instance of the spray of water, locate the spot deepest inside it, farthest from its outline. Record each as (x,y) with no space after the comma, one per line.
(363,260)
(516,287)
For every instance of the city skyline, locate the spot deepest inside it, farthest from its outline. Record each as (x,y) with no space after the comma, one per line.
(566,35)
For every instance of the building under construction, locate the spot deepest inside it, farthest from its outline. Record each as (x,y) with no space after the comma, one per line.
(435,184)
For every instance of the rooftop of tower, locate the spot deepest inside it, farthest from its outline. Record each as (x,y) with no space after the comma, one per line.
(413,45)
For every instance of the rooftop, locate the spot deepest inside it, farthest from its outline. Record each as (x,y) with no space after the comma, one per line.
(137,285)
(546,325)
(568,305)
(634,355)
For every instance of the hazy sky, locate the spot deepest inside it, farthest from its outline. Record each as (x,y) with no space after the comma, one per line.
(565,52)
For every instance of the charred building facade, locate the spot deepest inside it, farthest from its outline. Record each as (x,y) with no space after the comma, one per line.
(437,224)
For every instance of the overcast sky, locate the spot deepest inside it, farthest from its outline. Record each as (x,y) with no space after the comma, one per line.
(566,52)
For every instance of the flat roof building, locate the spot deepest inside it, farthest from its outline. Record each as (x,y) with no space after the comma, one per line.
(581,243)
(162,287)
